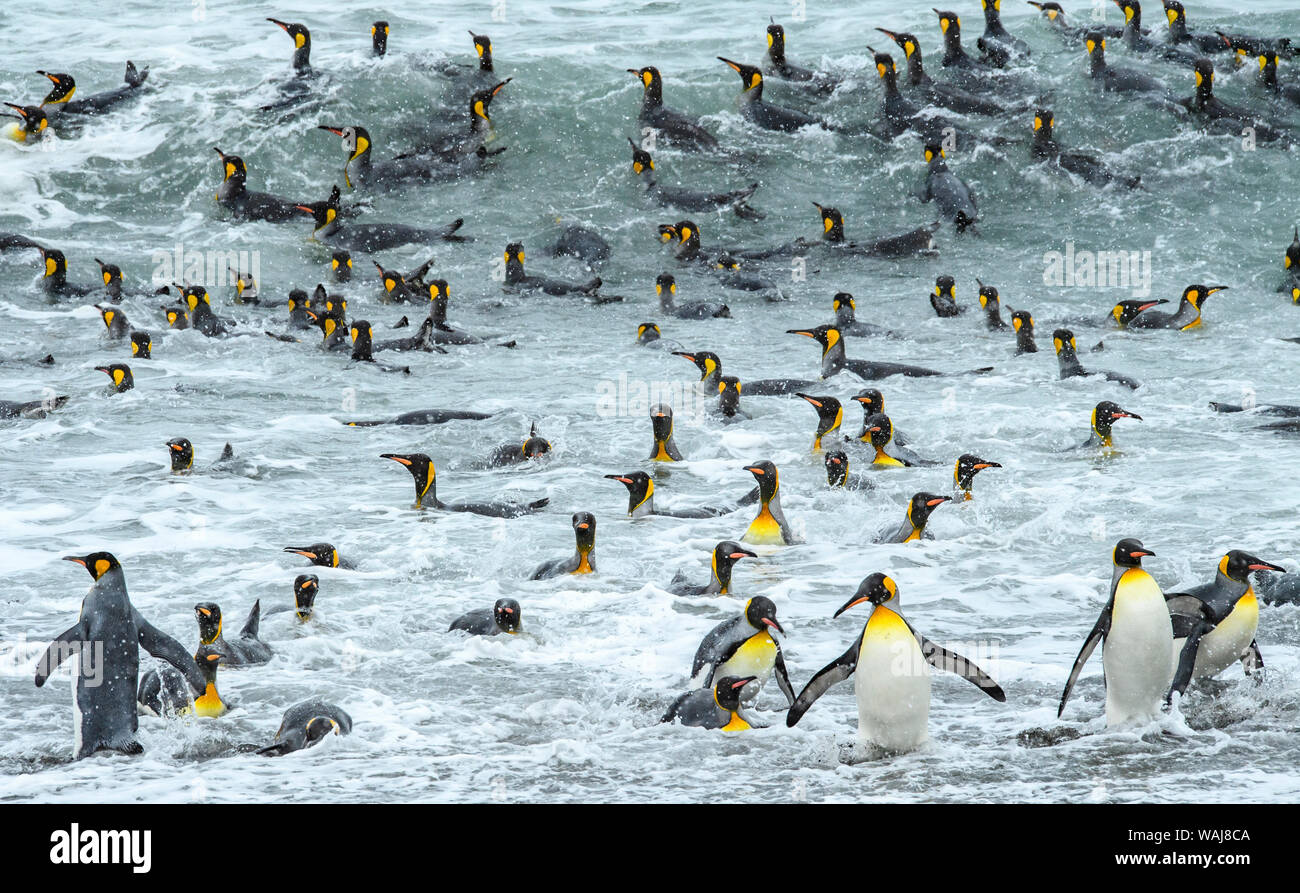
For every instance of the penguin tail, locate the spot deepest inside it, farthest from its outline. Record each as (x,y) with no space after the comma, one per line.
(227,453)
(745,212)
(982,370)
(278,749)
(724,312)
(448,232)
(289,338)
(1098,347)
(135,78)
(254,621)
(402,323)
(511,344)
(538,504)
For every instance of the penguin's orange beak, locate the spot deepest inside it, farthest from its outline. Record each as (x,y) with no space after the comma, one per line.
(75,560)
(938,501)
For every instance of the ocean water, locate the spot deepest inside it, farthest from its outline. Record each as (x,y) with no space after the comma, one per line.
(568,711)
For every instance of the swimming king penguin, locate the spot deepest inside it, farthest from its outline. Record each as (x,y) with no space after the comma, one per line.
(743,646)
(1215,623)
(582,561)
(919,509)
(1137,639)
(665,448)
(725,556)
(892,663)
(717,707)
(770,527)
(109,634)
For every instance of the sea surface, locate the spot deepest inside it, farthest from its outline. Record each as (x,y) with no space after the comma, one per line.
(569,710)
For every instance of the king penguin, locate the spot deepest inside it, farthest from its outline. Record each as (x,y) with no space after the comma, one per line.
(743,646)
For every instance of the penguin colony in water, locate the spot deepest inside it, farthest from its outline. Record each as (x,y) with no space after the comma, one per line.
(1154,644)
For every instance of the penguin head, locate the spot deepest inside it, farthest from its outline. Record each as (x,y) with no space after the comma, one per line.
(141,345)
(688,235)
(706,361)
(877,589)
(991,7)
(832,224)
(421,468)
(872,401)
(776,42)
(1125,311)
(726,693)
(362,334)
(842,304)
(1196,294)
(1052,11)
(176,317)
(299,300)
(1105,414)
(1175,13)
(726,262)
(725,556)
(323,213)
(1022,319)
(514,256)
(1129,553)
(379,38)
(121,375)
(641,160)
(945,287)
(305,587)
(765,473)
(336,305)
(341,265)
(922,505)
(1132,11)
(967,467)
(439,292)
(989,298)
(56,263)
(1043,120)
(483,47)
(837,468)
(1204,69)
(481,101)
(879,429)
(108,314)
(750,77)
(760,612)
(194,295)
(830,413)
(356,139)
(1268,62)
(728,394)
(98,563)
(885,68)
(301,36)
(933,154)
(906,41)
(535,446)
(328,323)
(390,278)
(666,283)
(111,274)
(584,531)
(667,232)
(661,421)
(647,332)
(208,658)
(63,86)
(507,615)
(245,287)
(208,614)
(1238,566)
(320,554)
(639,487)
(182,455)
(1063,340)
(949,24)
(1291,260)
(232,167)
(32,121)
(1095,41)
(651,82)
(826,336)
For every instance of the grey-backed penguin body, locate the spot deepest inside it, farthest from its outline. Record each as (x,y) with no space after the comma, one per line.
(517,280)
(641,496)
(890,662)
(305,724)
(671,126)
(715,707)
(939,93)
(743,646)
(1214,623)
(765,114)
(1137,639)
(919,509)
(59,100)
(1115,79)
(426,491)
(503,617)
(235,196)
(954,199)
(583,559)
(426,417)
(32,409)
(1187,316)
(1067,358)
(108,637)
(1046,149)
(372,237)
(846,319)
(685,199)
(777,65)
(244,650)
(725,556)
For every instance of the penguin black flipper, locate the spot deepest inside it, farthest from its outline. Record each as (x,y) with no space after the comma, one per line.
(783,677)
(164,647)
(1099,631)
(499,509)
(835,672)
(60,650)
(14,240)
(942,659)
(254,621)
(1187,658)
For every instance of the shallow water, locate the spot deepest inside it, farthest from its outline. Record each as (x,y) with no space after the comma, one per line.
(568,711)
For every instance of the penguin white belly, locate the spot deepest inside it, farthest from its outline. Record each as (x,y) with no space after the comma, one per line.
(756,657)
(1222,646)
(892,682)
(1138,653)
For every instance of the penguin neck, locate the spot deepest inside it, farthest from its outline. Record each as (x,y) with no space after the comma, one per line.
(720,581)
(302,58)
(837,476)
(1044,146)
(653,97)
(889,80)
(754,95)
(1204,92)
(916,75)
(1188,315)
(1178,30)
(56,280)
(833,358)
(827,426)
(645,505)
(952,49)
(1268,76)
(583,556)
(666,304)
(1069,361)
(428,496)
(728,403)
(438,312)
(515,271)
(1025,340)
(917,524)
(362,348)
(1097,62)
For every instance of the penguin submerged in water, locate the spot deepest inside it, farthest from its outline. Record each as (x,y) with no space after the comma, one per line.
(682,198)
(108,635)
(246,649)
(666,289)
(1187,316)
(517,280)
(776,64)
(838,474)
(725,556)
(235,196)
(372,237)
(426,491)
(640,499)
(711,377)
(306,724)
(322,555)
(64,86)
(919,509)
(717,707)
(1103,418)
(954,199)
(120,375)
(503,617)
(1067,359)
(671,126)
(937,93)
(891,663)
(1046,149)
(764,114)
(1137,641)
(583,561)
(834,360)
